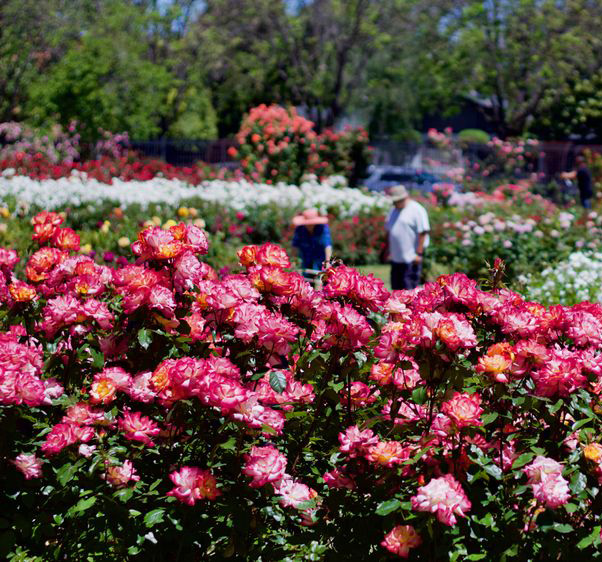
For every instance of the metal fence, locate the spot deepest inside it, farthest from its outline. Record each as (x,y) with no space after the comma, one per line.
(554,156)
(186,152)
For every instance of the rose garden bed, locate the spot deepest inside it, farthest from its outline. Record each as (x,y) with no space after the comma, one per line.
(155,410)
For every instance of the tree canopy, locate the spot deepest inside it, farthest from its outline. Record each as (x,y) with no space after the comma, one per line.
(192,68)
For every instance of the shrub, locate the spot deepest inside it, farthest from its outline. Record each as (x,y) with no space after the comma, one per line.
(473,136)
(344,153)
(411,136)
(278,145)
(275,144)
(157,411)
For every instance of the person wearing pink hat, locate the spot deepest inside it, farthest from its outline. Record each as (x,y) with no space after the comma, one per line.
(312,239)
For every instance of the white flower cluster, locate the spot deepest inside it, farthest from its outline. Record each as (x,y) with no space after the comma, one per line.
(78,189)
(577,279)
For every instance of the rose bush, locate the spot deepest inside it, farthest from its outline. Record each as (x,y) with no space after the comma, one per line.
(276,145)
(158,411)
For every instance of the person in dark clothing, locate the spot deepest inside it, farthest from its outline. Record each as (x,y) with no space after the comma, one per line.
(584,181)
(312,239)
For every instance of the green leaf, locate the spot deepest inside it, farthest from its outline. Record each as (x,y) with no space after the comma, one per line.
(553,409)
(153,517)
(144,338)
(581,423)
(125,494)
(419,395)
(81,505)
(563,528)
(524,459)
(307,504)
(590,539)
(229,445)
(487,520)
(488,418)
(66,473)
(578,483)
(493,470)
(98,359)
(388,506)
(155,484)
(278,381)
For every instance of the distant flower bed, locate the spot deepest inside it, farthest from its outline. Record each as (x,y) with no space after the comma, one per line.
(79,189)
(576,279)
(107,169)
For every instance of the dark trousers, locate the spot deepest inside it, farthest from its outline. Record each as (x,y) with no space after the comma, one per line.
(405,275)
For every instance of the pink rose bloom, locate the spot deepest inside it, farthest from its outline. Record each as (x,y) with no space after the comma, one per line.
(264,465)
(226,394)
(454,330)
(549,486)
(82,414)
(388,453)
(337,479)
(361,395)
(400,539)
(407,412)
(28,388)
(162,300)
(61,435)
(559,376)
(292,493)
(118,376)
(137,427)
(121,476)
(355,442)
(86,450)
(52,389)
(552,491)
(29,465)
(542,467)
(464,409)
(102,391)
(192,484)
(141,388)
(443,496)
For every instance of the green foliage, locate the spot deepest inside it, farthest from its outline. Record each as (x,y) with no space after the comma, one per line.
(105,81)
(194,69)
(476,136)
(196,118)
(408,135)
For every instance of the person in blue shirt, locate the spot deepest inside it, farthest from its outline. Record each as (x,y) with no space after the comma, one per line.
(312,239)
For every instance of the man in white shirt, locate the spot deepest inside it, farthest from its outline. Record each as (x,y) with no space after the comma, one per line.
(408,228)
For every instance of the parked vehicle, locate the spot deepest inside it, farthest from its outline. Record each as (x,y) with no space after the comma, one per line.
(382,177)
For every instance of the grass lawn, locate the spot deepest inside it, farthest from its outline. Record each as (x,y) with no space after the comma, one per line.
(382,270)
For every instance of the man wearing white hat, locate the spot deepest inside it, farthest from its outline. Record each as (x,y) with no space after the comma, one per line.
(408,228)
